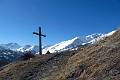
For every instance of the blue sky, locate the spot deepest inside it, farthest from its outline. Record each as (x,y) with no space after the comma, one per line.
(60,19)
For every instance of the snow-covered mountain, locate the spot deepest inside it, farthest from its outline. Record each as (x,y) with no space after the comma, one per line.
(75,42)
(7,56)
(64,45)
(98,37)
(11,51)
(34,49)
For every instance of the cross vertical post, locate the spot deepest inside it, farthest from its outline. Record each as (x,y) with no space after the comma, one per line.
(40,40)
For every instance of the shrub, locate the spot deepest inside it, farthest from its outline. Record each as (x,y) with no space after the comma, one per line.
(27,55)
(48,52)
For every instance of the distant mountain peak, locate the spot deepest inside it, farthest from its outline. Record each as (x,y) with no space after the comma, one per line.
(64,45)
(11,46)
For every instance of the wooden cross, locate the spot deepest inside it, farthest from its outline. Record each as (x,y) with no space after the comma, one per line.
(40,41)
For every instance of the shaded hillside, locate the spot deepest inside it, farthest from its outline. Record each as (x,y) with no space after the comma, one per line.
(7,56)
(39,68)
(100,61)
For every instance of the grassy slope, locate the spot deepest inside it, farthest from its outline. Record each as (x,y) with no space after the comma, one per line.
(100,61)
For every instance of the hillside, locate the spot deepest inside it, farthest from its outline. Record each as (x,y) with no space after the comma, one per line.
(99,61)
(47,66)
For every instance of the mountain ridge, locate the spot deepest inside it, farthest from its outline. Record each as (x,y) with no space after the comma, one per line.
(64,45)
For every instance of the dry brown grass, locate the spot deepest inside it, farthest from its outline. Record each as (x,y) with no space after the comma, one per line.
(44,67)
(100,61)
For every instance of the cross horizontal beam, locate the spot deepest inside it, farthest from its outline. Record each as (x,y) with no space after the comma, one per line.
(38,34)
